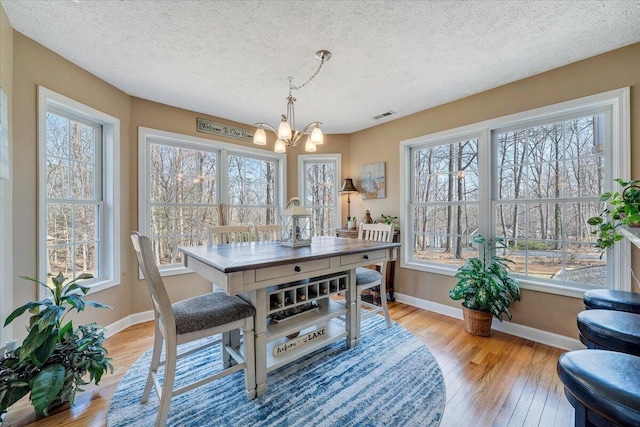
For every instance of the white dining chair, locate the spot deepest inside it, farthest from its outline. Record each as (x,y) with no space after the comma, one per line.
(225,234)
(190,320)
(267,232)
(367,278)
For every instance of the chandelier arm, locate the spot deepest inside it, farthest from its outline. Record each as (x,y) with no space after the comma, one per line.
(268,126)
(306,128)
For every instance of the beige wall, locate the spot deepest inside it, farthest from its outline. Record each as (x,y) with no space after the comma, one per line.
(609,71)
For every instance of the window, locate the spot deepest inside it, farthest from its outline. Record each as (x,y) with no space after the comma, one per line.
(318,178)
(188,184)
(252,185)
(533,178)
(446,201)
(79,226)
(548,178)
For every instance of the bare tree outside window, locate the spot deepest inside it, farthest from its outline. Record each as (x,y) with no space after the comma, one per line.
(445,202)
(549,178)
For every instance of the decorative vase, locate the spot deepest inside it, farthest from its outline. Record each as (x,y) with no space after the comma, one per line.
(477,322)
(351,225)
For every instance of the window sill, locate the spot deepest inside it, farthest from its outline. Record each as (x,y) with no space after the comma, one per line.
(102,285)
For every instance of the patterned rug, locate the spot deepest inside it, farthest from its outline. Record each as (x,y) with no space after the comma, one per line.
(389,379)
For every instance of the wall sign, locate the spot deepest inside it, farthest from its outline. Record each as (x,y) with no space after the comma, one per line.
(214,128)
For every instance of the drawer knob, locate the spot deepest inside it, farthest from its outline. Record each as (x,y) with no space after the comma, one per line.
(297,269)
(366,257)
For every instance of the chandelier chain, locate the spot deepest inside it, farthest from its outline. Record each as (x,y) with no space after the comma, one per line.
(294,87)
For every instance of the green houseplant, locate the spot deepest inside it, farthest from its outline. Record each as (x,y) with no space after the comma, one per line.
(485,287)
(53,359)
(623,209)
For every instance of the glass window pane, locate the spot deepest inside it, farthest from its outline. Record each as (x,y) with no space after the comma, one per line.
(57,136)
(59,223)
(162,189)
(85,221)
(57,178)
(83,142)
(85,259)
(162,221)
(60,261)
(82,181)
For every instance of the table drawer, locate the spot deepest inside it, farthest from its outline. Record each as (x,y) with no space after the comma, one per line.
(291,269)
(369,256)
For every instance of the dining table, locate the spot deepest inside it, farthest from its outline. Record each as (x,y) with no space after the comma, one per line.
(279,279)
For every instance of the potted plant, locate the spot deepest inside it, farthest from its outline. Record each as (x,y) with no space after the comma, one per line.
(351,222)
(53,359)
(623,209)
(486,288)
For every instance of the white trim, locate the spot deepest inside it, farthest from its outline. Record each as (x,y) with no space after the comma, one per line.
(110,238)
(130,320)
(618,100)
(526,332)
(337,159)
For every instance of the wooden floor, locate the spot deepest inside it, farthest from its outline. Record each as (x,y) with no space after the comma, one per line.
(498,381)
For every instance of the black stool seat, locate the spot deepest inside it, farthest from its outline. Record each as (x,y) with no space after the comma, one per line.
(610,330)
(603,387)
(607,299)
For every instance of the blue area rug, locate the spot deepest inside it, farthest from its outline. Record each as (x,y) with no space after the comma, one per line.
(389,379)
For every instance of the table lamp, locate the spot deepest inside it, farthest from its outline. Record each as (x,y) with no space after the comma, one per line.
(348,188)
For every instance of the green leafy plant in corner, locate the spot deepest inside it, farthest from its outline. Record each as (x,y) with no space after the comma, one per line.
(388,219)
(622,209)
(484,283)
(54,358)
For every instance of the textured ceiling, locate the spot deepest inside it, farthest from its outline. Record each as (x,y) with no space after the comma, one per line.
(231,59)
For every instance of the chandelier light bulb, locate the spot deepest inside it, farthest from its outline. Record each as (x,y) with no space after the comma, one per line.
(284,130)
(309,145)
(280,146)
(260,137)
(316,136)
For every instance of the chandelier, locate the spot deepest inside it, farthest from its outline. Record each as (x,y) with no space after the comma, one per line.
(287,134)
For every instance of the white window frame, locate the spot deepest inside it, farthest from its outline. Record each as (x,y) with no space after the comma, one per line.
(618,164)
(110,231)
(336,158)
(147,136)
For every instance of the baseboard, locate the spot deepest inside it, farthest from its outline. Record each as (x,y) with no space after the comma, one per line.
(537,335)
(132,319)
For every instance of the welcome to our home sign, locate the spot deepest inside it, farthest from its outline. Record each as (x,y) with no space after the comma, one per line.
(300,341)
(207,126)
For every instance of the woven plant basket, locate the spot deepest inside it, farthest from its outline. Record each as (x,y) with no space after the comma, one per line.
(477,322)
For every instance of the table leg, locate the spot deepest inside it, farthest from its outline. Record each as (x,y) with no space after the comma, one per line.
(353,334)
(259,301)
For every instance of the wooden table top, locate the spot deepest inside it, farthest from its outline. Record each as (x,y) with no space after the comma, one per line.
(252,255)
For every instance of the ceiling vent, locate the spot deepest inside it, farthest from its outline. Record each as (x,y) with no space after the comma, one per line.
(385,114)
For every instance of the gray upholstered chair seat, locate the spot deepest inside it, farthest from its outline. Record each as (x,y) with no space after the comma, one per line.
(208,311)
(366,276)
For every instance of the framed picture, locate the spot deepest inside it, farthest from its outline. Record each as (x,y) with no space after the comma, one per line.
(372,181)
(4,136)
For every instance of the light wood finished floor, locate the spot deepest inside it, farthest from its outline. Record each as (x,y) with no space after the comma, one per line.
(498,381)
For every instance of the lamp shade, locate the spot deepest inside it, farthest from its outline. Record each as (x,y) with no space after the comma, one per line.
(348,187)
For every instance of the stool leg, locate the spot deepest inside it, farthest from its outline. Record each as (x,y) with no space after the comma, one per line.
(155,362)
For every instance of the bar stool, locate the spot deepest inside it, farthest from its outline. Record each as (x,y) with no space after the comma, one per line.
(608,299)
(610,330)
(603,387)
